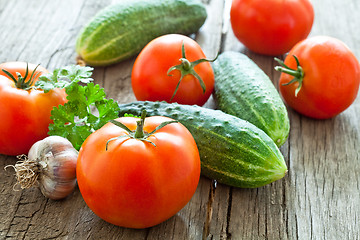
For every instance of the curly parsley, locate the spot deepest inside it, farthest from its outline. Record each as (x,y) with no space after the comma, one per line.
(87,108)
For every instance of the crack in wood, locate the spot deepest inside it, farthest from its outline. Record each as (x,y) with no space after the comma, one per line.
(55,53)
(209,210)
(228,214)
(13,217)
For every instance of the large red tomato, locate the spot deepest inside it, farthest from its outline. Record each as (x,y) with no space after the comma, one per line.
(139,181)
(324,81)
(24,112)
(271,27)
(151,80)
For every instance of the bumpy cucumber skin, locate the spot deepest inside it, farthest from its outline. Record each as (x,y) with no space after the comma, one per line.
(232,151)
(121,30)
(242,89)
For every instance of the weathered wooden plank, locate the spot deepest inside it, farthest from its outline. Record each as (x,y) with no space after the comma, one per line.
(318,199)
(257,213)
(324,190)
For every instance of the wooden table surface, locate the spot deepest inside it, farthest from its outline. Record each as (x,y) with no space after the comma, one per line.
(319,198)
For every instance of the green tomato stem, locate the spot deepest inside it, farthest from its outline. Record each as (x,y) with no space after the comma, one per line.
(291,72)
(139,132)
(186,64)
(297,73)
(186,67)
(20,81)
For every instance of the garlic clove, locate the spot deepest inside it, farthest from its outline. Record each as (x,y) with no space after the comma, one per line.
(54,189)
(61,166)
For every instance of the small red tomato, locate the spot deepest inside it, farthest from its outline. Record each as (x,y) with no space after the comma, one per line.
(138,178)
(271,27)
(172,68)
(24,112)
(320,77)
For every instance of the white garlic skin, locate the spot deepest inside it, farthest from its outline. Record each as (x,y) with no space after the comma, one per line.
(57,162)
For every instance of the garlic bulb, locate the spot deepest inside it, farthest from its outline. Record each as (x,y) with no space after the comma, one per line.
(51,163)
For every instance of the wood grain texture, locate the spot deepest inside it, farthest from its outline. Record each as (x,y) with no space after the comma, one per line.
(319,198)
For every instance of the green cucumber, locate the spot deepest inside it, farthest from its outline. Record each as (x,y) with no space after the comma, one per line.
(242,89)
(121,30)
(232,151)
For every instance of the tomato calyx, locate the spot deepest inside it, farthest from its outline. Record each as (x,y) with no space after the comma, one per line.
(139,132)
(186,67)
(20,81)
(297,73)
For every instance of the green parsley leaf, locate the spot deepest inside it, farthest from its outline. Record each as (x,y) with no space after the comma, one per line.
(86,110)
(68,126)
(64,77)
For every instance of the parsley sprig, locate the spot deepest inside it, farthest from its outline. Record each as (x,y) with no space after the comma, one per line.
(87,108)
(64,77)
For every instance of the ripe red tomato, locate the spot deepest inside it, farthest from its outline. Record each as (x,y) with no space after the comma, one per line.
(271,27)
(134,183)
(25,114)
(331,77)
(150,79)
